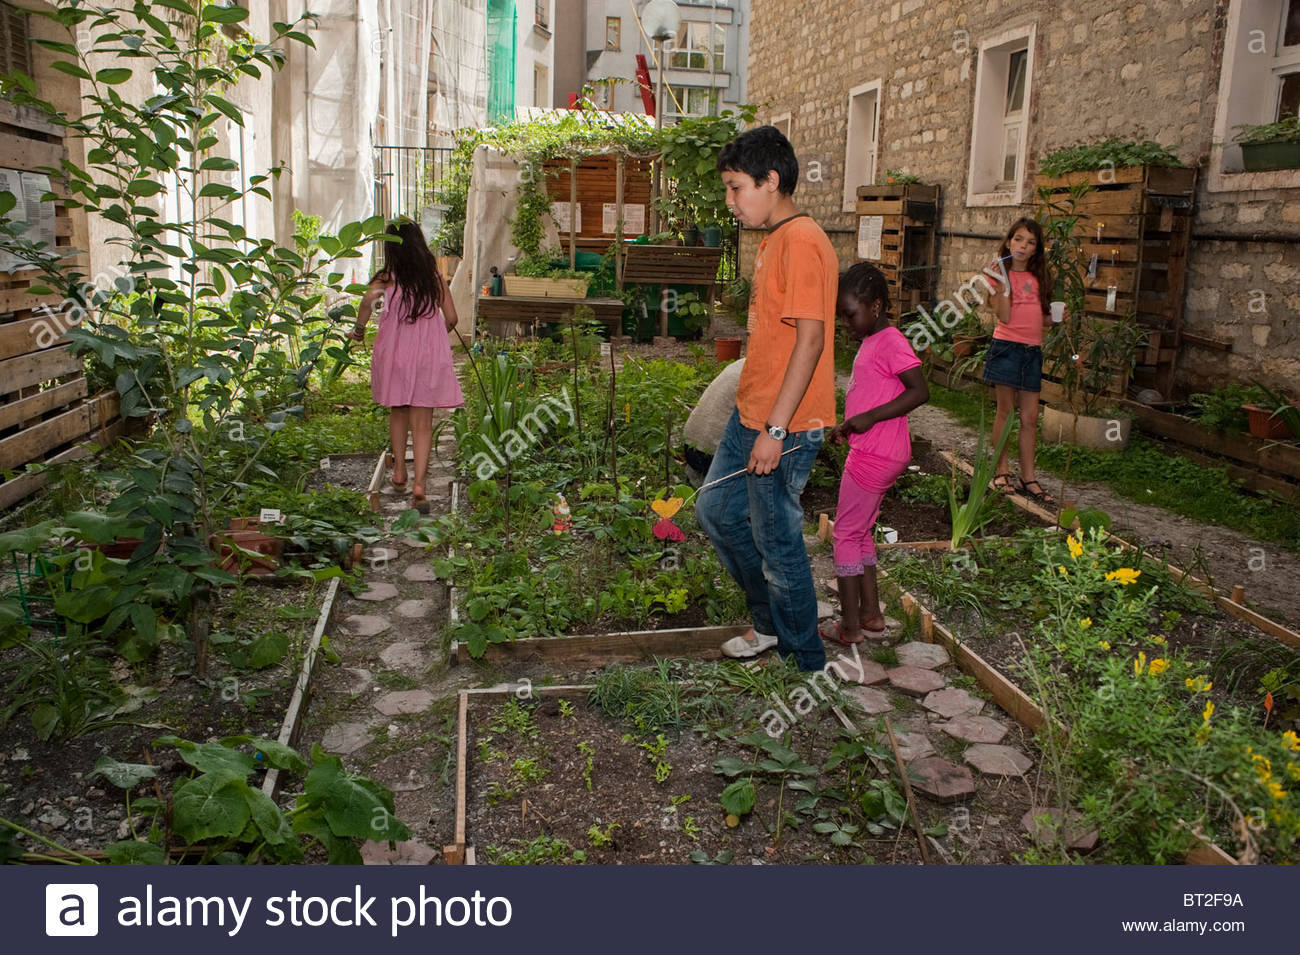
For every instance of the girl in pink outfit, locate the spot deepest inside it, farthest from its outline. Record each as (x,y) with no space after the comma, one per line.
(887,383)
(412,371)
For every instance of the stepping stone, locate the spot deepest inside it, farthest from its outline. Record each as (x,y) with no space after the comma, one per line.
(404,853)
(405,781)
(914,680)
(975,729)
(998,760)
(1044,827)
(928,656)
(379,557)
(344,738)
(412,542)
(863,671)
(420,572)
(413,609)
(366,625)
(913,745)
(362,680)
(824,610)
(378,592)
(405,656)
(940,779)
(951,703)
(870,699)
(404,701)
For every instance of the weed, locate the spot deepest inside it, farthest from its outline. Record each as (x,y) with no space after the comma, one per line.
(600,838)
(544,850)
(586,750)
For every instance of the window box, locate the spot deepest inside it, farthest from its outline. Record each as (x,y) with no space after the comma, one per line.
(1270,156)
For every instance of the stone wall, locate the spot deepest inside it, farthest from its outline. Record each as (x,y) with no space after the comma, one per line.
(1148,70)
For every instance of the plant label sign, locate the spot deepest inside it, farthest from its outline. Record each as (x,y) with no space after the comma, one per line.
(270,515)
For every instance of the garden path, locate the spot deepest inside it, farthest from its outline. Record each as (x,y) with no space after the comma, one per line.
(1268,572)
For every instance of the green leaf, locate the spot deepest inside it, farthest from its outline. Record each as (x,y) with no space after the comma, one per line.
(123,775)
(113,76)
(212,806)
(730,766)
(265,651)
(26,540)
(63,66)
(219,13)
(267,817)
(211,758)
(134,852)
(7,202)
(225,107)
(351,805)
(280,756)
(738,798)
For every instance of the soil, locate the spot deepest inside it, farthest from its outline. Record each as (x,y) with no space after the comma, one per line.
(46,786)
(668,822)
(1229,557)
(352,471)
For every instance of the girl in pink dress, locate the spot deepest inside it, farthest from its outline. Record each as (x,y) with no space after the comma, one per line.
(887,383)
(412,371)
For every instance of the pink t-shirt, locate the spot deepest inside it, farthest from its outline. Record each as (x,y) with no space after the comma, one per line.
(881,359)
(1026,319)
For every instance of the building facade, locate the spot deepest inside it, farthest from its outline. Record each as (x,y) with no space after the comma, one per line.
(969,95)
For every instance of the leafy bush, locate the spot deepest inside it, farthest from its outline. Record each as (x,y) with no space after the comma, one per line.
(1112,153)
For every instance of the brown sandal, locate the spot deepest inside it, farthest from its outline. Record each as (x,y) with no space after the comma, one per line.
(1007,484)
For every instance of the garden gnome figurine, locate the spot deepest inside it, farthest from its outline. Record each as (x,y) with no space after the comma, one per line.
(563,523)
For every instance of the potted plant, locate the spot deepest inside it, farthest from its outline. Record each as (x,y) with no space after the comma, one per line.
(546,275)
(1270,146)
(969,334)
(1276,417)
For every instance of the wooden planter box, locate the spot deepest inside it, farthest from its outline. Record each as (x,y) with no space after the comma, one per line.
(545,288)
(1145,216)
(1270,156)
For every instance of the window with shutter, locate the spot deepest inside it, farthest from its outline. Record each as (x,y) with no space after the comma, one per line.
(15,51)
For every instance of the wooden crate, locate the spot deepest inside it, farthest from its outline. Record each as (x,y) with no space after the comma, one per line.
(1145,218)
(45,408)
(908,241)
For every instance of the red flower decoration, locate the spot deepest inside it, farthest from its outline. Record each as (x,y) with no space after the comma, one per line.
(667,530)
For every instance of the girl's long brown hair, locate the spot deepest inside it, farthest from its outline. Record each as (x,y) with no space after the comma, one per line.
(1037,264)
(410,263)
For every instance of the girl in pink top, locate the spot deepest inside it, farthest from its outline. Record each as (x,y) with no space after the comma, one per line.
(887,383)
(412,371)
(1014,363)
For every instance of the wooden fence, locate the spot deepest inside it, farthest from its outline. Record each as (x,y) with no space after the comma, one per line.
(46,413)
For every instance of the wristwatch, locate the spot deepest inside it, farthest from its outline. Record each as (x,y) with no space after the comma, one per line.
(776,433)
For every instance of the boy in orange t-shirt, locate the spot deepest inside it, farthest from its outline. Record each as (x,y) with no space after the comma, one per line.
(784,403)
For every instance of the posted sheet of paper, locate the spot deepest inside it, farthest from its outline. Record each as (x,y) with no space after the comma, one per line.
(38,217)
(869,231)
(560,212)
(633,218)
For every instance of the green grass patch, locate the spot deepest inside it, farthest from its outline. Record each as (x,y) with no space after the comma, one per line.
(1142,473)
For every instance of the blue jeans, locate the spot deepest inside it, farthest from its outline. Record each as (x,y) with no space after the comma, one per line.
(756,525)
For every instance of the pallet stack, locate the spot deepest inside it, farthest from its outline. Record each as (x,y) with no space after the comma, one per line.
(908,253)
(45,409)
(1137,222)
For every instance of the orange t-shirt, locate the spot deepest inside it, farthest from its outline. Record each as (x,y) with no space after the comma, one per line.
(796,275)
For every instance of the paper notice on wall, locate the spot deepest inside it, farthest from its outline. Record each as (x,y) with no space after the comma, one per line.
(633,218)
(869,231)
(560,212)
(33,218)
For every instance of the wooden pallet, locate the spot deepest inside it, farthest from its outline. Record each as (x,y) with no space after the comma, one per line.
(1137,222)
(908,241)
(597,184)
(501,312)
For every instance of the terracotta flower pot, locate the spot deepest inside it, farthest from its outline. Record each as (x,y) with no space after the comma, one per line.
(726,349)
(241,534)
(1264,425)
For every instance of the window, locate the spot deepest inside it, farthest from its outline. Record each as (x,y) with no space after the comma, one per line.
(1000,125)
(613,33)
(691,101)
(542,13)
(694,49)
(15,53)
(1259,83)
(861,141)
(541,87)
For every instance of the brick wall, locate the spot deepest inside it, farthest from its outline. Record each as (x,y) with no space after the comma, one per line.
(1148,70)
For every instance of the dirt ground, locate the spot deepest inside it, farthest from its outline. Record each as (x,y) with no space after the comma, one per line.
(1268,572)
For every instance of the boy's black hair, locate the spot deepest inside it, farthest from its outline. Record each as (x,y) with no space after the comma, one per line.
(758,152)
(866,283)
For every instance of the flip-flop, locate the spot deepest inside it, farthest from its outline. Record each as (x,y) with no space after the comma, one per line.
(832,631)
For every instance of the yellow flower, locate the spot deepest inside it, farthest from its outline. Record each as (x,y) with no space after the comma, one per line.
(1291,741)
(1085,623)
(1208,712)
(1263,767)
(1197,684)
(1157,639)
(1139,664)
(1275,790)
(1061,568)
(1158,666)
(1293,770)
(1075,547)
(1125,575)
(1104,644)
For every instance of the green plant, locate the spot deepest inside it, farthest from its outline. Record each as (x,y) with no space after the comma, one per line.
(600,838)
(977,510)
(689,153)
(655,753)
(544,850)
(1112,153)
(917,488)
(205,358)
(588,754)
(234,822)
(1286,130)
(527,771)
(1283,409)
(892,177)
(1221,408)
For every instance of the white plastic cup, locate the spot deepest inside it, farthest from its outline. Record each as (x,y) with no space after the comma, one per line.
(1058,312)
